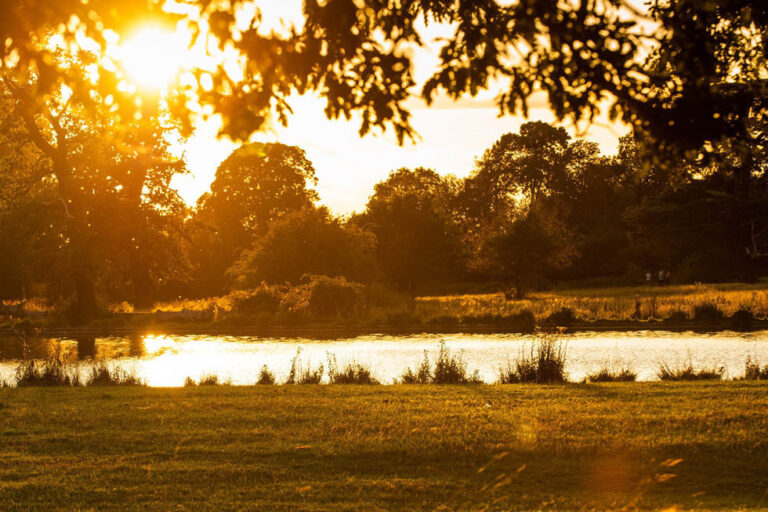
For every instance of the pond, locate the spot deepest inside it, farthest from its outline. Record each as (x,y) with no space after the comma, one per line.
(164,360)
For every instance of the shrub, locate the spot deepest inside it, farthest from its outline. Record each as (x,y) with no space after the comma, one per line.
(741,320)
(265,376)
(101,374)
(607,374)
(265,299)
(351,373)
(55,371)
(335,296)
(676,317)
(189,382)
(300,374)
(687,372)
(753,371)
(524,321)
(448,369)
(708,313)
(542,363)
(563,317)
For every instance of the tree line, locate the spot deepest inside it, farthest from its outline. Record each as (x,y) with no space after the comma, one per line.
(539,207)
(87,213)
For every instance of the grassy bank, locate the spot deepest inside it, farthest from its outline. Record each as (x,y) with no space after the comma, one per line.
(598,446)
(274,311)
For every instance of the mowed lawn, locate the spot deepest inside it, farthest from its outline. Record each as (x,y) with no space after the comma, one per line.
(597,446)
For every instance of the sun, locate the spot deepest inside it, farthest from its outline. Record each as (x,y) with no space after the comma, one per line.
(153,58)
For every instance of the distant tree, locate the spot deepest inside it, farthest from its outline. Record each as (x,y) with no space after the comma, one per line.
(419,240)
(309,241)
(520,250)
(518,169)
(254,187)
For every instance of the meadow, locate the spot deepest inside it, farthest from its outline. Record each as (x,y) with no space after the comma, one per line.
(673,446)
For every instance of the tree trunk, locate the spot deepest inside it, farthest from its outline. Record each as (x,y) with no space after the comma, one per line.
(85,307)
(143,289)
(742,182)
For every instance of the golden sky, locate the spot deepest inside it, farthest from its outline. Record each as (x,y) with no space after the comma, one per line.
(452,134)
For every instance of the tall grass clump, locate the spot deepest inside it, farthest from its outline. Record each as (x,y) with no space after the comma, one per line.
(688,372)
(448,369)
(207,379)
(301,374)
(55,371)
(609,374)
(266,377)
(422,374)
(543,362)
(101,374)
(753,371)
(349,373)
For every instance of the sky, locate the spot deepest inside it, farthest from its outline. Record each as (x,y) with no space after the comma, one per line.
(451,134)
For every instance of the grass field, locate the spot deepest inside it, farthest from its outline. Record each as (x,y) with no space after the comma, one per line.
(652,446)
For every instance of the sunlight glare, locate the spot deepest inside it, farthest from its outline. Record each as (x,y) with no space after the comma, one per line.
(153,57)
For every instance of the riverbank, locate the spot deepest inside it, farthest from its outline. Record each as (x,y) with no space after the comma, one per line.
(704,308)
(608,446)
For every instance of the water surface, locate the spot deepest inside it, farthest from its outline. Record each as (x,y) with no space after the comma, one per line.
(167,360)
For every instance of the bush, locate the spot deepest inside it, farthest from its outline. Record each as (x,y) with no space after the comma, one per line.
(55,371)
(266,377)
(741,320)
(335,296)
(189,382)
(301,374)
(607,374)
(753,371)
(102,374)
(687,372)
(265,299)
(543,363)
(563,317)
(449,369)
(351,373)
(524,321)
(708,313)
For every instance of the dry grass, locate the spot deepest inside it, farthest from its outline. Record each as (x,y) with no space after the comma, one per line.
(605,303)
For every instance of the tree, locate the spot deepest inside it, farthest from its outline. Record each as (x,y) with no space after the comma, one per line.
(685,73)
(99,170)
(522,249)
(254,187)
(518,169)
(419,241)
(309,241)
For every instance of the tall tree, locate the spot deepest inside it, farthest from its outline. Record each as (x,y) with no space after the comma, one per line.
(419,241)
(256,185)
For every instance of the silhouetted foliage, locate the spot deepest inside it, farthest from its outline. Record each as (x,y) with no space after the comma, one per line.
(310,241)
(410,214)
